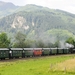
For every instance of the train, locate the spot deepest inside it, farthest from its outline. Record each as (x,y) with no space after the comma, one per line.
(10,53)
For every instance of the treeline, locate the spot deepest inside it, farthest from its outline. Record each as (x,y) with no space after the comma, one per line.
(21,41)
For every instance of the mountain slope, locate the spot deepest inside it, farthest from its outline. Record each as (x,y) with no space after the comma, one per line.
(7,8)
(40,23)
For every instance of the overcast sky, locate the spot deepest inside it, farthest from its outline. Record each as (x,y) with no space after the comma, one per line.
(67,5)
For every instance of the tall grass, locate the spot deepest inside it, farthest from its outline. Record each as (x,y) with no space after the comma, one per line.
(38,66)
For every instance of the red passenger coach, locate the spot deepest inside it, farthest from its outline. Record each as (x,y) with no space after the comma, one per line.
(37,51)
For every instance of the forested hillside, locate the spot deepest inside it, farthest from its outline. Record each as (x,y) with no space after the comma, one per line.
(7,8)
(39,23)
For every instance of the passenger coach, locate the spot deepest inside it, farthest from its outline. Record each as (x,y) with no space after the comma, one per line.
(4,53)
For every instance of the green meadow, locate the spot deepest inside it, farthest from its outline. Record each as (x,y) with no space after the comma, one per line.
(49,65)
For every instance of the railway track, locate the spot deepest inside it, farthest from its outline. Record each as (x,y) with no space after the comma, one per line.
(37,57)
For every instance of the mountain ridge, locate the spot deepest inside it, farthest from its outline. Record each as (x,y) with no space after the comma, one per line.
(7,8)
(39,22)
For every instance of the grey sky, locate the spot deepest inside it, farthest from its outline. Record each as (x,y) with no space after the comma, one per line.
(67,5)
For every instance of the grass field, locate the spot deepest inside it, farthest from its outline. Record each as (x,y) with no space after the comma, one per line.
(51,65)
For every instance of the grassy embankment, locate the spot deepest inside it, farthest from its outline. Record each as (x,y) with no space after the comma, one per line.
(53,65)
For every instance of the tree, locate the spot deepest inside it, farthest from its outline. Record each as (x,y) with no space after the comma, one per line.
(40,44)
(4,41)
(70,41)
(57,44)
(20,40)
(49,45)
